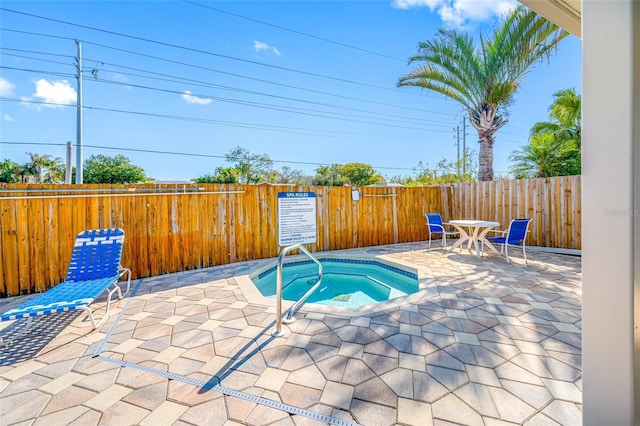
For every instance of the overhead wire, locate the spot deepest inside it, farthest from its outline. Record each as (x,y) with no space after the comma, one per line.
(297,110)
(177,79)
(205,52)
(235,75)
(227,88)
(270,107)
(254,126)
(337,43)
(56,73)
(188,154)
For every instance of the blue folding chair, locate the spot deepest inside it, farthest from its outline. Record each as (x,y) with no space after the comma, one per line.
(516,235)
(436,227)
(94,269)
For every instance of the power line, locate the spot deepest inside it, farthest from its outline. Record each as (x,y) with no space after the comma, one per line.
(271,107)
(59,74)
(49,61)
(178,79)
(187,154)
(235,75)
(37,53)
(205,52)
(295,31)
(267,81)
(253,126)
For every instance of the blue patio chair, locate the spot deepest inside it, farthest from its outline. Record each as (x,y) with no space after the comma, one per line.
(94,269)
(516,235)
(436,227)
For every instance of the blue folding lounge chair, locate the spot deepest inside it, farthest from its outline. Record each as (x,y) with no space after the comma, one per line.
(94,269)
(436,227)
(514,236)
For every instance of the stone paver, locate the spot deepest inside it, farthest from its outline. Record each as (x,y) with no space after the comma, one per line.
(108,397)
(337,395)
(482,375)
(272,379)
(167,413)
(484,343)
(414,413)
(22,406)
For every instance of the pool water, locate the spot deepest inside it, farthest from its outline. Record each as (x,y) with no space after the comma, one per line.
(345,282)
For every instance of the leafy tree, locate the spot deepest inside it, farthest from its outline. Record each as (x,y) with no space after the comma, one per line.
(221,175)
(445,171)
(290,176)
(554,147)
(252,167)
(360,174)
(10,172)
(328,176)
(485,78)
(105,169)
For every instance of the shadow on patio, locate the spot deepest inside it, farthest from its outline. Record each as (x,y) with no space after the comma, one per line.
(490,343)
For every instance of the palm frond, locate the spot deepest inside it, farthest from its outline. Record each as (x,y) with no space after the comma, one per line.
(485,78)
(451,62)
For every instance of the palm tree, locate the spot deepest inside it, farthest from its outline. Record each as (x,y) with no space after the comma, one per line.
(566,113)
(44,168)
(554,147)
(545,156)
(485,79)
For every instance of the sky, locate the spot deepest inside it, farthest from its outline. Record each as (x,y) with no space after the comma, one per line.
(175,85)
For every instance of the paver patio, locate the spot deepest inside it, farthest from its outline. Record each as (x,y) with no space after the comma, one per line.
(486,343)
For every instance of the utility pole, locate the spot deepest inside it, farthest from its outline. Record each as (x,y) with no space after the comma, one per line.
(464,146)
(67,175)
(79,122)
(458,145)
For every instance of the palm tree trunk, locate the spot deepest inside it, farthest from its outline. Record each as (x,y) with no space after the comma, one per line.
(485,157)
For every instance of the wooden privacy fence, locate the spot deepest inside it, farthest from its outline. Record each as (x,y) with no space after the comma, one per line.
(170,229)
(554,204)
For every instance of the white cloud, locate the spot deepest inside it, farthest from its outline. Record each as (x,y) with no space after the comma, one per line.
(121,78)
(459,13)
(7,117)
(259,46)
(6,87)
(191,99)
(57,92)
(414,4)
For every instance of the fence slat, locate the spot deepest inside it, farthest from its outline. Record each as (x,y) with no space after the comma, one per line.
(171,229)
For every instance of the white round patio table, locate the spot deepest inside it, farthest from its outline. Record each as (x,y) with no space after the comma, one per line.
(473,232)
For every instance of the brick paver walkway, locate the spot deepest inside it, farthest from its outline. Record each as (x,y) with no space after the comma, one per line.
(485,343)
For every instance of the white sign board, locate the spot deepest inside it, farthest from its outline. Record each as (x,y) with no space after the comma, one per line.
(296,218)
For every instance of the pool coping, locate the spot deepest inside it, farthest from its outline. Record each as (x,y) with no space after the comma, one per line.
(425,289)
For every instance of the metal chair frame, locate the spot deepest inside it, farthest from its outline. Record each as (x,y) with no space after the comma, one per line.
(436,226)
(515,235)
(94,268)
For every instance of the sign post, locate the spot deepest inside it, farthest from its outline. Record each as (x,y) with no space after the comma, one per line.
(296,218)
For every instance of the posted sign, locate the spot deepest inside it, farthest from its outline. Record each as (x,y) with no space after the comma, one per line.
(296,218)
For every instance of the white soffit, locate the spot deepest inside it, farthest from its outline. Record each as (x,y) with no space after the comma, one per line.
(564,13)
